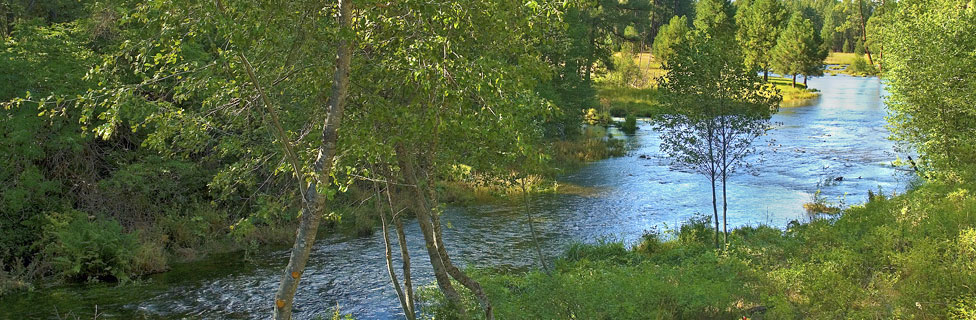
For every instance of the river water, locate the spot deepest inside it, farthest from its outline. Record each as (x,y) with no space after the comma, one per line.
(841,134)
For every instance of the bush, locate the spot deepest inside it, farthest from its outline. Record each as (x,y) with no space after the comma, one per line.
(625,72)
(630,124)
(860,67)
(83,249)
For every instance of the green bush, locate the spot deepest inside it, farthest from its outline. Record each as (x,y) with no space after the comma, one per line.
(630,124)
(625,72)
(83,249)
(861,67)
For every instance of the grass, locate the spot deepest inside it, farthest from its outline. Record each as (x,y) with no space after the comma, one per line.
(840,63)
(791,94)
(905,256)
(840,58)
(640,99)
(621,101)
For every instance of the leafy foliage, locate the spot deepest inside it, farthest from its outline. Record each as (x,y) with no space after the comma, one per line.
(931,98)
(90,250)
(670,36)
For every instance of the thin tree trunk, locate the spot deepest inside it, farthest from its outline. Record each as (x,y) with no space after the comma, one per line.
(794,81)
(765,74)
(426,217)
(725,205)
(424,220)
(711,159)
(311,215)
(404,253)
(715,209)
(864,34)
(535,237)
(459,275)
(407,310)
(805,81)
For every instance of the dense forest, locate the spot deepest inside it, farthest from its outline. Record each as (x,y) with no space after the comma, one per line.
(135,135)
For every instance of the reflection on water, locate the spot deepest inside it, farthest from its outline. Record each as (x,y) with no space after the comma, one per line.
(842,134)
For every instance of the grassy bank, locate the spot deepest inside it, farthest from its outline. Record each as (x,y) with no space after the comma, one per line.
(793,94)
(908,256)
(850,64)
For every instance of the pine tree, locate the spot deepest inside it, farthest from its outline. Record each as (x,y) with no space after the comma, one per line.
(759,24)
(798,50)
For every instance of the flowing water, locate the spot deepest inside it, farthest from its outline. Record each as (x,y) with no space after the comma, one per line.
(841,134)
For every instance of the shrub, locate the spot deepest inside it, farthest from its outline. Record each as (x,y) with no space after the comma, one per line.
(614,252)
(625,72)
(83,249)
(630,124)
(861,67)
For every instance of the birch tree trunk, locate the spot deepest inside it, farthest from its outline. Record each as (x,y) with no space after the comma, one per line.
(404,253)
(388,253)
(423,219)
(312,213)
(431,227)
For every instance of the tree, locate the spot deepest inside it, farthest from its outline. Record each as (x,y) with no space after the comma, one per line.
(759,23)
(742,119)
(688,135)
(720,107)
(931,88)
(315,203)
(799,50)
(670,36)
(714,19)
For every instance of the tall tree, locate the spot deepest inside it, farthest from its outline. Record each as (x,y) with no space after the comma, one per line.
(688,135)
(670,36)
(714,18)
(720,109)
(798,50)
(931,100)
(759,23)
(315,206)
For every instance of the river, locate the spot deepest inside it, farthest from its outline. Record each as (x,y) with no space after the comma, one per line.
(841,134)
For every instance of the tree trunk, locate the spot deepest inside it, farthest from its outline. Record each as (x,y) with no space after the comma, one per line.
(424,220)
(404,251)
(805,81)
(407,308)
(766,75)
(725,206)
(312,214)
(431,222)
(711,159)
(864,34)
(535,238)
(715,209)
(459,275)
(794,81)
(405,256)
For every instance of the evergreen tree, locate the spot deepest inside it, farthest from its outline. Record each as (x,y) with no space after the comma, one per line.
(798,50)
(713,18)
(758,28)
(670,36)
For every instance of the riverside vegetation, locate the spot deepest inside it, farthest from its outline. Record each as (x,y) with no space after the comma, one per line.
(135,134)
(897,256)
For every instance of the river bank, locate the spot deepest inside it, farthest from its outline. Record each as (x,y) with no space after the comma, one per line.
(841,134)
(911,255)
